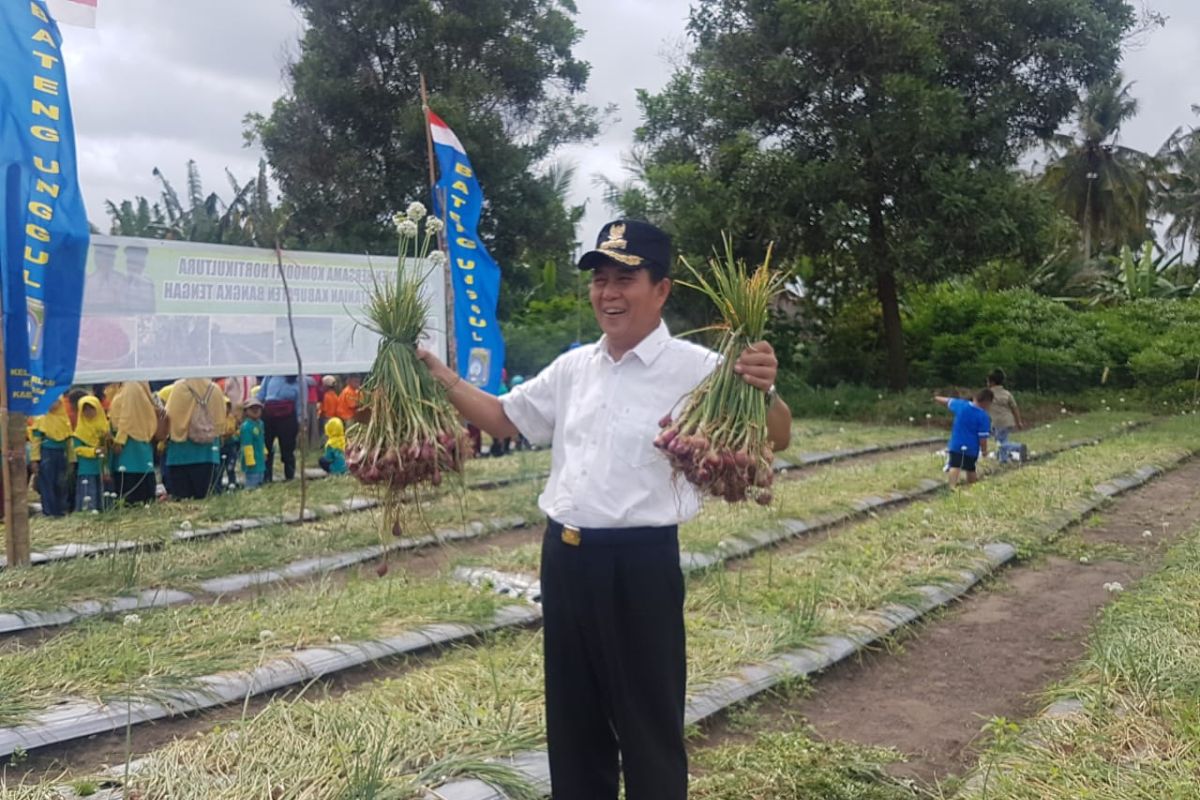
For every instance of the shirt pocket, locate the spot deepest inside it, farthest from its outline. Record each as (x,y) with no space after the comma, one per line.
(633,440)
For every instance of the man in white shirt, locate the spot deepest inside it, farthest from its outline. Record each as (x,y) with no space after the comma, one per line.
(612,589)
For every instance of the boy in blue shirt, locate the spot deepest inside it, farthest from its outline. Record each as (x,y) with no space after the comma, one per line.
(969,436)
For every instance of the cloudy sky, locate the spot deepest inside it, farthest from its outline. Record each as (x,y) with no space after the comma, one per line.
(159,82)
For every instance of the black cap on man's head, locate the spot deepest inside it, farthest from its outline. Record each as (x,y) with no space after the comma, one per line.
(631,244)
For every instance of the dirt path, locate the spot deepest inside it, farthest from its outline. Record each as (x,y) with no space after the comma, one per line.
(994,653)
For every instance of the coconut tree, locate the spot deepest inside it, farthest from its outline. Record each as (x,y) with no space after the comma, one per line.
(1179,186)
(1098,182)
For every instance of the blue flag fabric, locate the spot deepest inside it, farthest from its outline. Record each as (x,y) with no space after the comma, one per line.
(476,277)
(43,223)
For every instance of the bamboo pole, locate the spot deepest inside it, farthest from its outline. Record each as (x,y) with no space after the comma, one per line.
(302,388)
(451,340)
(16,514)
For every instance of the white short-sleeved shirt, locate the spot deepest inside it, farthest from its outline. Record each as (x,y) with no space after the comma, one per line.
(601,418)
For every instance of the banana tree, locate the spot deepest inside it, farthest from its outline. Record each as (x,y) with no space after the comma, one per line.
(1146,275)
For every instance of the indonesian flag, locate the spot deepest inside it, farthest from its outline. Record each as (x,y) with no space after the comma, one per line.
(442,134)
(74,12)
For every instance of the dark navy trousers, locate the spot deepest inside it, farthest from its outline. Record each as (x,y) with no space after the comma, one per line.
(615,659)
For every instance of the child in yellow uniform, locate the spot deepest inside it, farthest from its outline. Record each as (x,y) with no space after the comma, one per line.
(51,445)
(90,440)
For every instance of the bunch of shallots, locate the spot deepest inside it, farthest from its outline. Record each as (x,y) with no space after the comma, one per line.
(412,434)
(719,442)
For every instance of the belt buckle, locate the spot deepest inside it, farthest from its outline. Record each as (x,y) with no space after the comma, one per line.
(571,536)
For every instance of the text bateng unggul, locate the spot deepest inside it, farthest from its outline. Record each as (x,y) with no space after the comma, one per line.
(43,224)
(476,277)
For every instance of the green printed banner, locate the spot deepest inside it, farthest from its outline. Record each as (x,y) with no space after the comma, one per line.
(155,310)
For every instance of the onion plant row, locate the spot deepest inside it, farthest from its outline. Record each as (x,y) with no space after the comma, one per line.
(156,523)
(484,700)
(180,566)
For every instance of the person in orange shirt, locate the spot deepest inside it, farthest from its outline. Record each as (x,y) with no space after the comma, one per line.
(330,401)
(348,402)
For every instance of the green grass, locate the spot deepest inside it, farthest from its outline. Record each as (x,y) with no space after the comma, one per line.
(833,490)
(1139,732)
(157,522)
(485,700)
(182,565)
(792,764)
(829,435)
(99,658)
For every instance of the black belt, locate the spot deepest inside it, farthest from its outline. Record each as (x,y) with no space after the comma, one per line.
(612,537)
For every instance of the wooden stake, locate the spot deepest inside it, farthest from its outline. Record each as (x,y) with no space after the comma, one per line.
(16,511)
(451,342)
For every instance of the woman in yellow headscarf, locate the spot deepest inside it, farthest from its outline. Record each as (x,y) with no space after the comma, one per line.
(135,421)
(51,443)
(90,439)
(195,404)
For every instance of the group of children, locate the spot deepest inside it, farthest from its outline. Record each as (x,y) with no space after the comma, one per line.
(114,445)
(993,411)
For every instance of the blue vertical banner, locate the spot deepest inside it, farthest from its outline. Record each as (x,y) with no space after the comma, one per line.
(43,223)
(475,275)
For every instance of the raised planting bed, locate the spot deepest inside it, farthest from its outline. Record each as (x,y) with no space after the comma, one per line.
(735,620)
(182,565)
(814,602)
(263,549)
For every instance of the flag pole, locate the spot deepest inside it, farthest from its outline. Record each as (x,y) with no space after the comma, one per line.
(451,343)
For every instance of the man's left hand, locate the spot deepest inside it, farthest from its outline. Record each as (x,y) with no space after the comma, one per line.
(758,366)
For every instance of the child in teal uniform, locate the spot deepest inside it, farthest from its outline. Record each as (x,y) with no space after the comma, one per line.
(49,453)
(134,415)
(90,439)
(334,459)
(253,441)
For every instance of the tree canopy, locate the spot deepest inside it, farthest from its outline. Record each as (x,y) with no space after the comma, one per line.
(877,138)
(347,142)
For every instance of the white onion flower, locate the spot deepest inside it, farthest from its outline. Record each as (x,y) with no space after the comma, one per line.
(434,226)
(407,228)
(131,620)
(438,259)
(416,211)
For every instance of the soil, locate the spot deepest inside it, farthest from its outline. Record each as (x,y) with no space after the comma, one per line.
(994,653)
